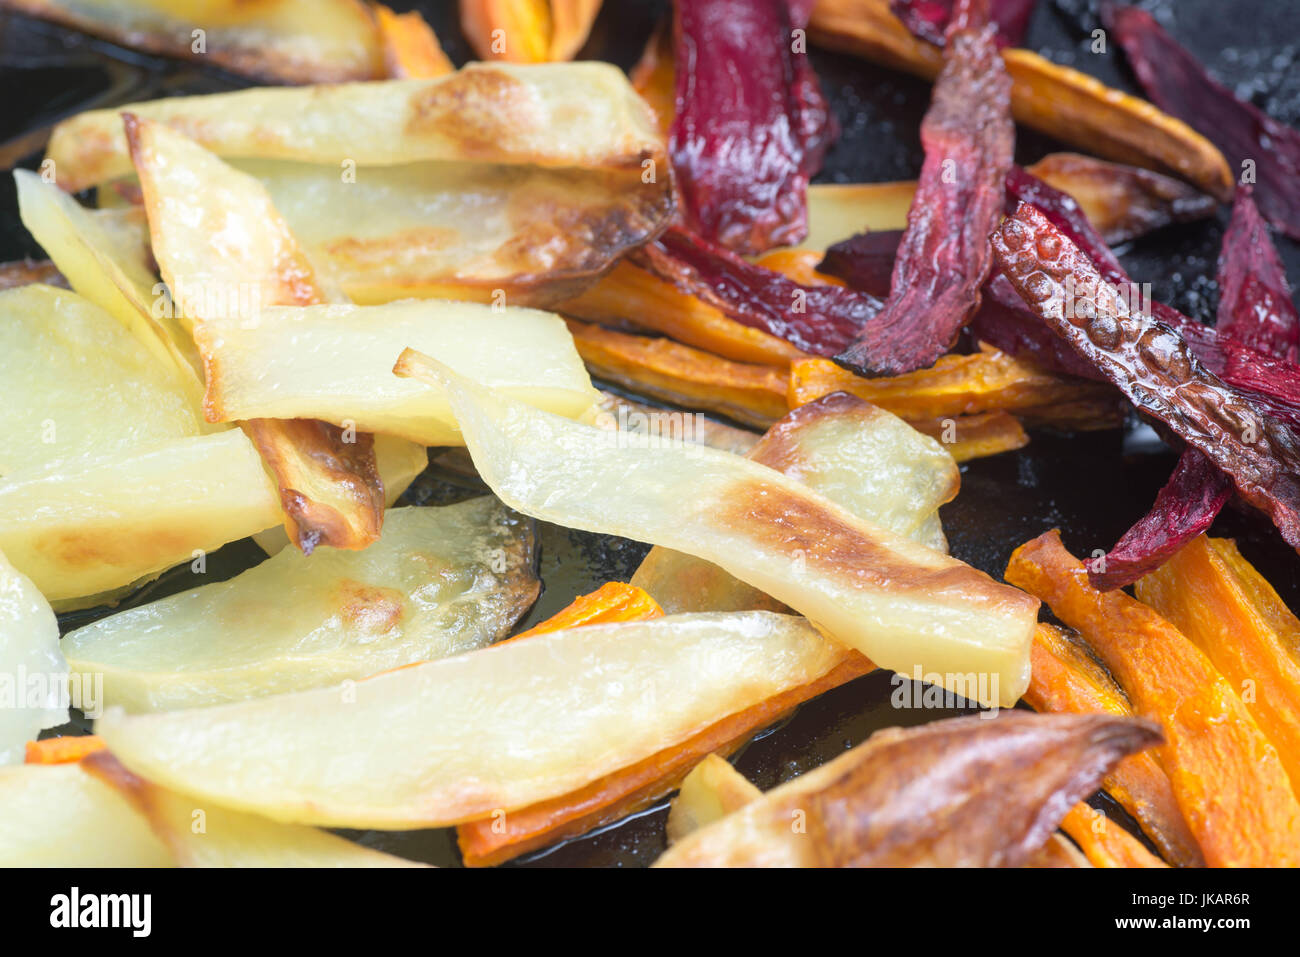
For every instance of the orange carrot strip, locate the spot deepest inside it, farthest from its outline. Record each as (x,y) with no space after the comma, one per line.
(604,801)
(411,49)
(68,749)
(1201,594)
(666,370)
(611,602)
(1226,775)
(1105,843)
(976,436)
(955,385)
(1066,678)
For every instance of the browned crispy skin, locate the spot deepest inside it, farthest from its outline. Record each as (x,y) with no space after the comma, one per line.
(967,792)
(1152,365)
(329,484)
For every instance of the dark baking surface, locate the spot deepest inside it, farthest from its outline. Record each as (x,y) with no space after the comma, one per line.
(1092,486)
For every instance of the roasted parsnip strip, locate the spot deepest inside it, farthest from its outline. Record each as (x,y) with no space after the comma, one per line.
(1106,844)
(225,253)
(955,385)
(29,645)
(229,838)
(995,792)
(409,46)
(431,744)
(900,603)
(62,816)
(1067,679)
(1153,366)
(669,371)
(583,115)
(1200,594)
(709,793)
(290,41)
(335,363)
(438,582)
(1226,775)
(1064,103)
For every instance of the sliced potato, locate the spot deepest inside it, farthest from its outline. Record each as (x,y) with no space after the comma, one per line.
(335,363)
(74,382)
(225,252)
(582,115)
(463,230)
(208,835)
(57,815)
(709,793)
(31,665)
(857,455)
(493,730)
(105,257)
(901,604)
(91,523)
(440,581)
(287,41)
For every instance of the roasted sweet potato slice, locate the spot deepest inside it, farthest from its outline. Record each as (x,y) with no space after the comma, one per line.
(1068,679)
(1203,596)
(410,47)
(1106,844)
(611,602)
(1064,103)
(667,370)
(527,31)
(1226,775)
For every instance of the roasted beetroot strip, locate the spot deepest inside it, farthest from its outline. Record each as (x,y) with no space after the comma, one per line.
(1153,366)
(1255,306)
(751,126)
(820,320)
(864,261)
(929,19)
(944,256)
(1177,83)
(1184,508)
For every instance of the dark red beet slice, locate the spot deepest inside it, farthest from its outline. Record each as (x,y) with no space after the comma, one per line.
(944,256)
(1153,366)
(1255,306)
(1252,141)
(929,19)
(864,261)
(820,320)
(751,125)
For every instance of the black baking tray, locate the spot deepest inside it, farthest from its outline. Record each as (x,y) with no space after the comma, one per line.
(1092,485)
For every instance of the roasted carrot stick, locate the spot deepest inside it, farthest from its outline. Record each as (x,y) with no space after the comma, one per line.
(68,749)
(1226,775)
(955,385)
(669,371)
(1201,594)
(629,294)
(975,436)
(611,602)
(1067,679)
(1105,843)
(493,840)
